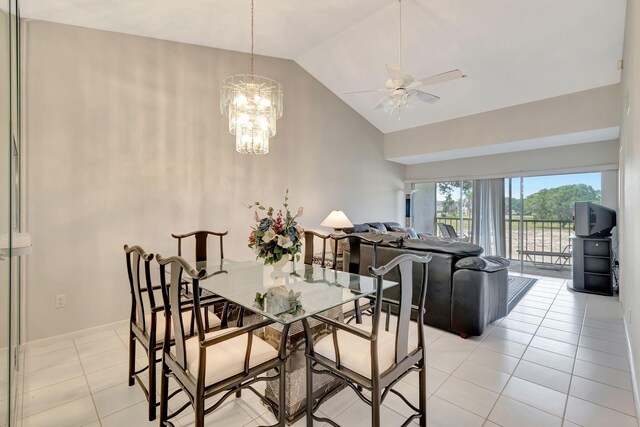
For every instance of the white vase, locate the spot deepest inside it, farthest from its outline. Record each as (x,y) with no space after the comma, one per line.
(278,267)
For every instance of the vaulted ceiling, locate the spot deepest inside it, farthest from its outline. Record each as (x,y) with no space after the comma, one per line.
(513,51)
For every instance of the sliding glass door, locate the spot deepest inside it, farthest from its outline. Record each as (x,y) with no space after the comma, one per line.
(539,217)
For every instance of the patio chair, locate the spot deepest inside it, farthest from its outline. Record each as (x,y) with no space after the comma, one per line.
(448,232)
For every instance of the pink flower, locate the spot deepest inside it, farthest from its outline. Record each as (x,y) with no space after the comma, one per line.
(299,213)
(278,224)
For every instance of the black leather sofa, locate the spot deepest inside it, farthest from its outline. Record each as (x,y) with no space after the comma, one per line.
(465,292)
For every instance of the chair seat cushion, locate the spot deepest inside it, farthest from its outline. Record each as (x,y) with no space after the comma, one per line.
(355,352)
(186,323)
(226,359)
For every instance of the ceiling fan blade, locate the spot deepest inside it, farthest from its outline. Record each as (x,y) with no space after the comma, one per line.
(395,73)
(379,106)
(366,90)
(407,80)
(425,97)
(439,78)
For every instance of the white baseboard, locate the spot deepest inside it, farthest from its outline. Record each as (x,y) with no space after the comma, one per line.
(634,383)
(75,334)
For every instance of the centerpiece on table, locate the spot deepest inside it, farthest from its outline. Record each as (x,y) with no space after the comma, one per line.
(279,301)
(276,237)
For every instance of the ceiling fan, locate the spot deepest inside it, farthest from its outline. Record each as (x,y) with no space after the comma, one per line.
(403,88)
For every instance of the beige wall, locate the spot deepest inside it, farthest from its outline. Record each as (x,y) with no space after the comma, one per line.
(126,144)
(586,116)
(629,228)
(589,156)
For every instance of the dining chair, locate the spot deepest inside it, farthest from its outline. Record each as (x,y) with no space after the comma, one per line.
(219,363)
(375,357)
(146,322)
(325,257)
(200,238)
(355,310)
(355,242)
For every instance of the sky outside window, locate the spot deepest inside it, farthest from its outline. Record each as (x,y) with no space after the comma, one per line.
(533,184)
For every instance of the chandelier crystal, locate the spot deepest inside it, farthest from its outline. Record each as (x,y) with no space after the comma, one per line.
(253,104)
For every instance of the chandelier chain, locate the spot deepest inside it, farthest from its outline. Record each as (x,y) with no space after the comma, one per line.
(399,37)
(253,104)
(251,36)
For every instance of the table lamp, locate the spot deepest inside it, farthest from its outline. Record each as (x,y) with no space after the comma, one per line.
(337,220)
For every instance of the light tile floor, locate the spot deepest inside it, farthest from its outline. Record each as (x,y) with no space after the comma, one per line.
(558,359)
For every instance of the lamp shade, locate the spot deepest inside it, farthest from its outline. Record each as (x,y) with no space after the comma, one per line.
(337,220)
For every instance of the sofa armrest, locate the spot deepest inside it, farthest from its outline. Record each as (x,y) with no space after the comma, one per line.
(486,263)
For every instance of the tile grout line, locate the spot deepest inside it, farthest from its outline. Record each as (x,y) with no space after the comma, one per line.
(575,357)
(584,317)
(95,408)
(83,374)
(559,290)
(486,419)
(520,360)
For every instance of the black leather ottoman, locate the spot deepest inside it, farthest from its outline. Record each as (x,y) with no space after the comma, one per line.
(479,294)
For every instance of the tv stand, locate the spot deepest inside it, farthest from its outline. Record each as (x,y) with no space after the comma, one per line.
(591,268)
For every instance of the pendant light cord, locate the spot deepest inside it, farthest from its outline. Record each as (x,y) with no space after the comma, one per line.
(251,37)
(399,37)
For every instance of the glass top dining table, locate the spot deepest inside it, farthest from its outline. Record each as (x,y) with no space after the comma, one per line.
(300,291)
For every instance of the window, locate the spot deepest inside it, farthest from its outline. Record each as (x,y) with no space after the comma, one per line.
(539,212)
(454,205)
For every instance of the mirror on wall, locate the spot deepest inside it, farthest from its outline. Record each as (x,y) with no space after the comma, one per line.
(10,215)
(5,214)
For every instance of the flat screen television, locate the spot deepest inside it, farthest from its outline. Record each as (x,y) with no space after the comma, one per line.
(593,220)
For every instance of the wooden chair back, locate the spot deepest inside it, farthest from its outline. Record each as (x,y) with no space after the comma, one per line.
(309,246)
(201,242)
(404,265)
(172,297)
(355,243)
(134,256)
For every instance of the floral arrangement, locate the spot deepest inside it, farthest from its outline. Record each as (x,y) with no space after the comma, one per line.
(276,235)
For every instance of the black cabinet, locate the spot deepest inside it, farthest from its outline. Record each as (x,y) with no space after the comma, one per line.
(592,265)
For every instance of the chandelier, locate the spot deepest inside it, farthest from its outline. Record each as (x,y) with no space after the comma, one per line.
(253,104)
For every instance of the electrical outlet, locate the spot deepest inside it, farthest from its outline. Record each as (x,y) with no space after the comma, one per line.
(61,301)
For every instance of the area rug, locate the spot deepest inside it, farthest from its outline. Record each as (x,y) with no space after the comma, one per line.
(518,288)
